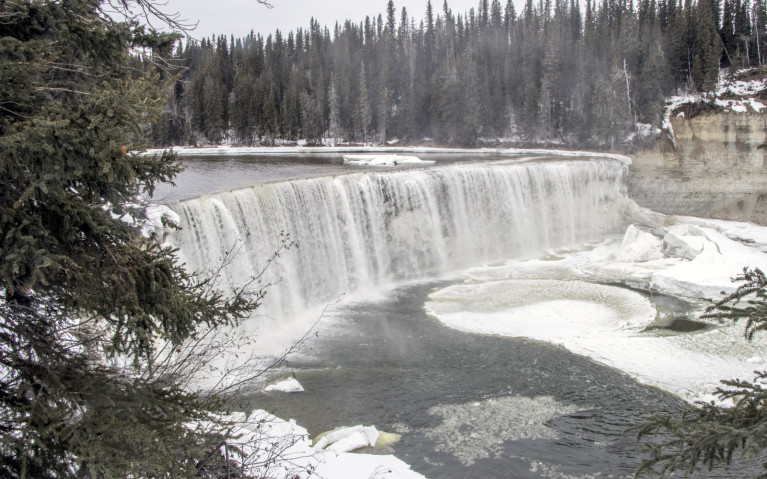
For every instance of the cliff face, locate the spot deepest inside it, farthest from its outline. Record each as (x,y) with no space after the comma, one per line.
(717,169)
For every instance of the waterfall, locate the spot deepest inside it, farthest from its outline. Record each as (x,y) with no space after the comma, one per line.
(363,231)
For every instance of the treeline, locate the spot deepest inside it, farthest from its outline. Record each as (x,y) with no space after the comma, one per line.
(556,72)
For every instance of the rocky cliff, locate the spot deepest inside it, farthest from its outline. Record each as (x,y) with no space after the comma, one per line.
(716,169)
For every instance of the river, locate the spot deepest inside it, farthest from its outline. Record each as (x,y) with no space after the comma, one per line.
(373,245)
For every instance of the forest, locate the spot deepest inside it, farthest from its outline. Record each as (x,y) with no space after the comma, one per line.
(555,73)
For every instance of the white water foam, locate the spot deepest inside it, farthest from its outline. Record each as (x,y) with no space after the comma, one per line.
(359,233)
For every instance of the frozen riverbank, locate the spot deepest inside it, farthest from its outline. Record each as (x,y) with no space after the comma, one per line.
(554,299)
(268,447)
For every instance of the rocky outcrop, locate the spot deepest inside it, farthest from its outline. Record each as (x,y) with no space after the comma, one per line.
(717,169)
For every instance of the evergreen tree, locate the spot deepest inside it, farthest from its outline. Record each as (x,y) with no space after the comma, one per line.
(709,46)
(364,115)
(335,130)
(708,434)
(742,32)
(652,85)
(727,33)
(76,280)
(554,51)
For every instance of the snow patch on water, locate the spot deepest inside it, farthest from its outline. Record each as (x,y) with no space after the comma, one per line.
(478,430)
(385,160)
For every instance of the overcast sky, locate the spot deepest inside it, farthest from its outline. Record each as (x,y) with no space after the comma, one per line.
(239,17)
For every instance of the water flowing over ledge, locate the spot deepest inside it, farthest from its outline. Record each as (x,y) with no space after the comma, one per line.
(359,232)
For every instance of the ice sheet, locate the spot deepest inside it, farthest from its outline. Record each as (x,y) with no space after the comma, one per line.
(553,299)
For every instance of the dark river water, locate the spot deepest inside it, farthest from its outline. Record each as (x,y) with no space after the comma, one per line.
(466,405)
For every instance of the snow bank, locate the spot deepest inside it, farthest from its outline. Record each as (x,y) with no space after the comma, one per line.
(749,234)
(730,96)
(268,447)
(699,256)
(554,299)
(712,260)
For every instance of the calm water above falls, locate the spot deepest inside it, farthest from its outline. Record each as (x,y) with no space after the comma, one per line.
(466,405)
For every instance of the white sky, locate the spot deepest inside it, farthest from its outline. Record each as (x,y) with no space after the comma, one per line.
(239,17)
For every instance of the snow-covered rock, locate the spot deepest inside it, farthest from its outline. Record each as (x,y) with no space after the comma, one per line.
(268,447)
(700,256)
(290,385)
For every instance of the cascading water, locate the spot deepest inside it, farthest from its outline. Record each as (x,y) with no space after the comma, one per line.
(466,404)
(363,231)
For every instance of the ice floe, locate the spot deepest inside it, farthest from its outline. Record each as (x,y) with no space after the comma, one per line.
(289,385)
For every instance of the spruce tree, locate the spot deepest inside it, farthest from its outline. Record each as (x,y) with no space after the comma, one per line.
(714,435)
(708,48)
(334,127)
(364,115)
(78,282)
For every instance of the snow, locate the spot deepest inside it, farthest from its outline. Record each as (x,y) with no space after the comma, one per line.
(712,260)
(755,105)
(348,439)
(746,233)
(639,246)
(384,160)
(156,214)
(556,299)
(268,447)
(227,150)
(731,96)
(290,385)
(700,256)
(643,131)
(740,88)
